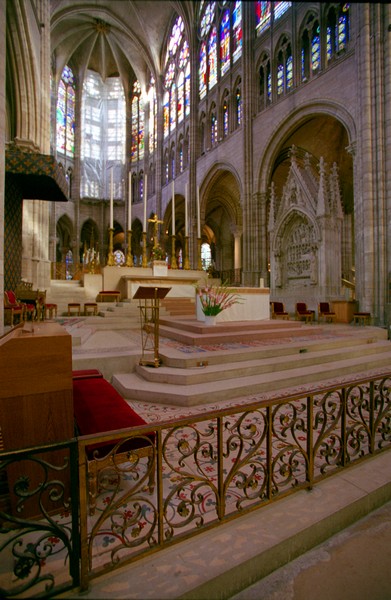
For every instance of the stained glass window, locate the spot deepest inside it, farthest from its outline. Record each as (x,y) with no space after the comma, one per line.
(181,96)
(343,27)
(225,118)
(65,114)
(280,75)
(137,143)
(187,89)
(289,72)
(213,128)
(103,139)
(265,81)
(212,58)
(203,71)
(238,106)
(280,8)
(315,48)
(225,57)
(166,100)
(176,102)
(173,107)
(152,116)
(263,16)
(237,31)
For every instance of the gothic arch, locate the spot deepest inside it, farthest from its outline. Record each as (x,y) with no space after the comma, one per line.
(292,123)
(65,237)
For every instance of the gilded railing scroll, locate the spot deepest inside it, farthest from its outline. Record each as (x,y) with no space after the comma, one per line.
(211,468)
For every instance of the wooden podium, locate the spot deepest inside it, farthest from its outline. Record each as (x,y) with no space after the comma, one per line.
(36,404)
(149,304)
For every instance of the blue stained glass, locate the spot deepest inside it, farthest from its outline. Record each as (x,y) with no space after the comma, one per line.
(341,32)
(289,72)
(315,53)
(329,47)
(212,58)
(225,118)
(225,56)
(280,79)
(207,18)
(280,8)
(237,31)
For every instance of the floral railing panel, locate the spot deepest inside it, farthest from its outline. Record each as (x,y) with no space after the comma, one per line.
(39,525)
(162,483)
(209,469)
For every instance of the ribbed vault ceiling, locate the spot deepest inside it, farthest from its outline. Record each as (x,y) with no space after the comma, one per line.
(116,37)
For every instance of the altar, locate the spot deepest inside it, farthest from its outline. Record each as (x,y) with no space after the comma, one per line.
(254,305)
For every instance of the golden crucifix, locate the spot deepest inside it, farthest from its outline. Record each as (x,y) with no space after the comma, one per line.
(155,222)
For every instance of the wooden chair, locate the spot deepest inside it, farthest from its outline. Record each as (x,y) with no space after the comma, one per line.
(278,311)
(13,308)
(303,313)
(325,312)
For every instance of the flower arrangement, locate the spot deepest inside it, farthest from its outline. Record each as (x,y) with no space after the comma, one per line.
(158,253)
(216,298)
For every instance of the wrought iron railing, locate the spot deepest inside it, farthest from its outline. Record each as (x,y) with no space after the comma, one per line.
(213,468)
(39,521)
(161,483)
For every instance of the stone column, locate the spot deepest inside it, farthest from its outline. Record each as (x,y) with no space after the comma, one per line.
(251,271)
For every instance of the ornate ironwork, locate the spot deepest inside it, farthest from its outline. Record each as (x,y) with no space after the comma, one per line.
(159,484)
(39,534)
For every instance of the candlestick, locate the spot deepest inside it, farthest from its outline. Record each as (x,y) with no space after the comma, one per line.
(198,214)
(111,199)
(145,202)
(173,208)
(130,203)
(186,216)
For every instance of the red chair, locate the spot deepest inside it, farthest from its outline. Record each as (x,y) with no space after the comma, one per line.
(325,312)
(278,311)
(303,313)
(13,307)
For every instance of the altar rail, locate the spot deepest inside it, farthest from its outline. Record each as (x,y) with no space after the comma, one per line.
(208,469)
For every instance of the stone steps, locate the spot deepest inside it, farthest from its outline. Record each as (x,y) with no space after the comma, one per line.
(222,370)
(203,377)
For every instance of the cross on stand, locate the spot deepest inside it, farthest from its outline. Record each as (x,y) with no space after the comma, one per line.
(155,222)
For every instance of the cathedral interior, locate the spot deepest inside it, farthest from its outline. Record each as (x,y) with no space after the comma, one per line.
(254,132)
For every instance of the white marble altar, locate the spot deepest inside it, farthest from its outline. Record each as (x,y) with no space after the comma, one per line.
(254,306)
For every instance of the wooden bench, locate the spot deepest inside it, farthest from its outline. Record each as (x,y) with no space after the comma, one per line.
(109,296)
(90,308)
(362,318)
(99,408)
(73,308)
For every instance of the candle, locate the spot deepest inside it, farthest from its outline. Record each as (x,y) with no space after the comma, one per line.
(198,214)
(186,208)
(173,208)
(111,199)
(130,203)
(145,203)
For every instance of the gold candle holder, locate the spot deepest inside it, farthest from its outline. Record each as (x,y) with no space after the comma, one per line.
(145,262)
(129,257)
(173,257)
(110,257)
(199,254)
(186,263)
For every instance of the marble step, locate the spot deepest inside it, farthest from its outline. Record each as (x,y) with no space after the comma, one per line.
(134,387)
(203,371)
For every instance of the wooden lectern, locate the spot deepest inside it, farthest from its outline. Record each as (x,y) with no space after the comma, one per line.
(149,304)
(36,405)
